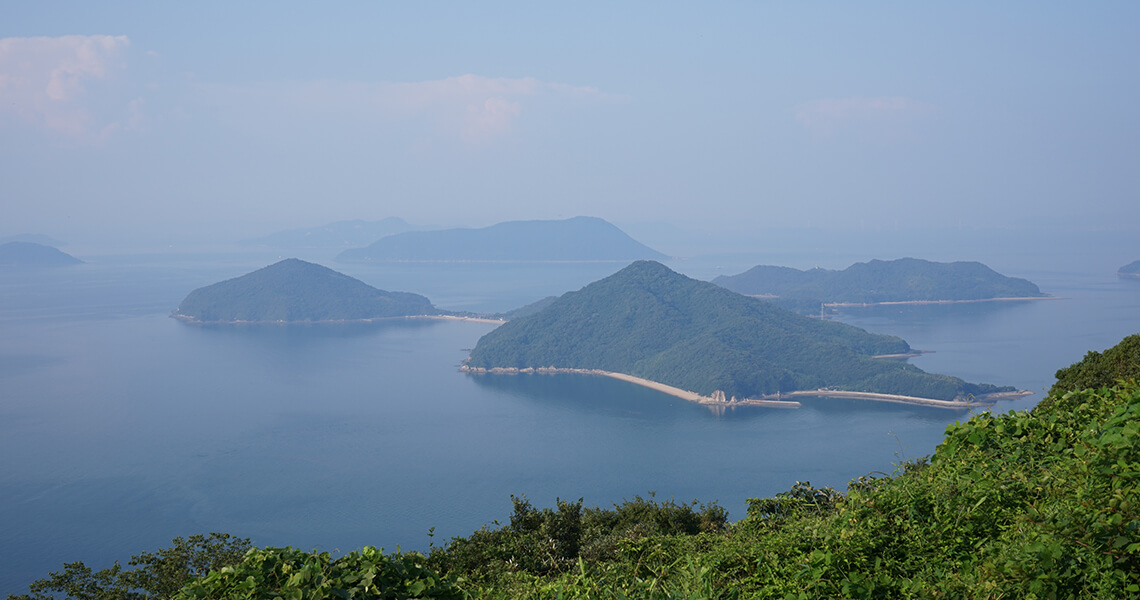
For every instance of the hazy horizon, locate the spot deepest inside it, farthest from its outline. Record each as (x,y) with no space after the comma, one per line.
(215,123)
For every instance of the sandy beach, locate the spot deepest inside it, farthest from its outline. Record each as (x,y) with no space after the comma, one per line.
(901,302)
(778,400)
(717,399)
(458,318)
(956,404)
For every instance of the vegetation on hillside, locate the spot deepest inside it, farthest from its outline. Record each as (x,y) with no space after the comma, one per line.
(528,309)
(576,239)
(1032,504)
(1100,369)
(651,322)
(905,279)
(297,291)
(148,576)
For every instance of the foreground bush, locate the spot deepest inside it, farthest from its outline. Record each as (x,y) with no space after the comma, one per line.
(291,574)
(150,576)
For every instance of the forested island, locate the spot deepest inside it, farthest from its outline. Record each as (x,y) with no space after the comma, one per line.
(293,291)
(1131,269)
(33,255)
(576,239)
(652,323)
(1032,504)
(902,280)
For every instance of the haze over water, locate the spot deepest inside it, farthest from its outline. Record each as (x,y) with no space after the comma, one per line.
(122,428)
(150,138)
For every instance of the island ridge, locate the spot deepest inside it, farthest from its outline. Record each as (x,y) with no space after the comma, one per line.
(649,322)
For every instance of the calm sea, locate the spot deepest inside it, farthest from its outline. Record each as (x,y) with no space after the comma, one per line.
(121,428)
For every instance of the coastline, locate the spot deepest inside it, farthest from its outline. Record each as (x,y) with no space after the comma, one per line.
(902,302)
(911,354)
(718,400)
(956,403)
(192,321)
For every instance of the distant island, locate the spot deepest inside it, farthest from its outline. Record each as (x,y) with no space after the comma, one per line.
(576,239)
(1131,269)
(338,235)
(33,255)
(879,281)
(295,291)
(650,324)
(35,238)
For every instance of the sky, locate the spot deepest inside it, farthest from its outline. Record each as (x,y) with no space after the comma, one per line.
(239,119)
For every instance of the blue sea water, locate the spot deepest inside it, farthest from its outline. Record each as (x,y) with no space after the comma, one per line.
(121,428)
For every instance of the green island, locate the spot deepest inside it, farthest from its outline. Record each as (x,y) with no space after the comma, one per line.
(878,281)
(569,240)
(651,323)
(295,291)
(33,255)
(1131,269)
(1032,504)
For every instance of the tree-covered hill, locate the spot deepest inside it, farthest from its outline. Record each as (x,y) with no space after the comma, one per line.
(33,255)
(576,239)
(297,291)
(1101,369)
(651,322)
(1131,269)
(529,309)
(905,279)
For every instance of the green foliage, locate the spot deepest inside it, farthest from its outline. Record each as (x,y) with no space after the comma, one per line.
(1041,504)
(294,291)
(905,279)
(650,322)
(289,574)
(802,499)
(529,309)
(1096,369)
(553,541)
(156,575)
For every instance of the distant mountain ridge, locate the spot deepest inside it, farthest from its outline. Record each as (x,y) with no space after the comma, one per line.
(338,235)
(35,238)
(576,239)
(650,322)
(30,254)
(293,291)
(902,280)
(1131,269)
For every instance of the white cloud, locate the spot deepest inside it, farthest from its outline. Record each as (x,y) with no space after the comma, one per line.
(489,119)
(46,80)
(884,114)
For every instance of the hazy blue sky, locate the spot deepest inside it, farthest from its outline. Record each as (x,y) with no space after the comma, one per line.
(252,117)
